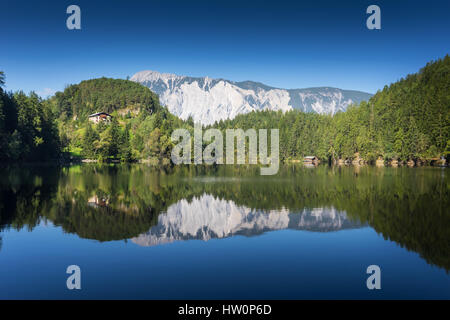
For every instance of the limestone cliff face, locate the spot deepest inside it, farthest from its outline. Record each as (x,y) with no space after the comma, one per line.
(208,100)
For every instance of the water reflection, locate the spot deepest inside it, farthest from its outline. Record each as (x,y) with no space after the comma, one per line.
(207,217)
(408,206)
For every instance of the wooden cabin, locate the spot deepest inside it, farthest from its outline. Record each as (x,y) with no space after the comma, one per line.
(379,162)
(97,202)
(311,160)
(100,116)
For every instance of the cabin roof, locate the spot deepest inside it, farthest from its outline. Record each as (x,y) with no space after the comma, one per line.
(310,157)
(99,113)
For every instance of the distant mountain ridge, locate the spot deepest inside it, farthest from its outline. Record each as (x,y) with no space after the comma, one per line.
(208,100)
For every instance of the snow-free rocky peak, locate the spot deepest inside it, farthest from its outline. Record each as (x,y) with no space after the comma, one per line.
(208,100)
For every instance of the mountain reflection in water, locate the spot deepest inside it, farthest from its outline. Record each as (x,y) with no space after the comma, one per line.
(207,217)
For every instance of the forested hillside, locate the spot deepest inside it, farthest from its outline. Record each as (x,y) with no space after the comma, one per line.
(79,100)
(140,127)
(409,119)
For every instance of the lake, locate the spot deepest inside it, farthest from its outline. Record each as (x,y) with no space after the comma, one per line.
(224,232)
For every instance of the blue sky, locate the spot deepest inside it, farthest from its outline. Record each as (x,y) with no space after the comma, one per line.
(287,44)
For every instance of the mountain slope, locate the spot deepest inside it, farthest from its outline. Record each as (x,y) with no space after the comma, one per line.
(208,100)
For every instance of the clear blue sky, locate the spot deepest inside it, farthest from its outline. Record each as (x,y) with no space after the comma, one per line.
(283,44)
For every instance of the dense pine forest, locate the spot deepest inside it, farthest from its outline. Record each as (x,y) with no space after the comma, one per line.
(408,120)
(27,127)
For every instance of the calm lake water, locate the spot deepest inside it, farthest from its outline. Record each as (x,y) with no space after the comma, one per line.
(225,232)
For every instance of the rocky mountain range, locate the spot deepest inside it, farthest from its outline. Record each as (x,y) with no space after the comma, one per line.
(209,100)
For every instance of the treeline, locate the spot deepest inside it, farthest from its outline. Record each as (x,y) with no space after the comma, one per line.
(28,130)
(410,119)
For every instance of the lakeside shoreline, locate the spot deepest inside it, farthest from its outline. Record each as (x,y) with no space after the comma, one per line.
(151,163)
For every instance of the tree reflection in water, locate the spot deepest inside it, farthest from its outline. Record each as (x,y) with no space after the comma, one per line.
(152,206)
